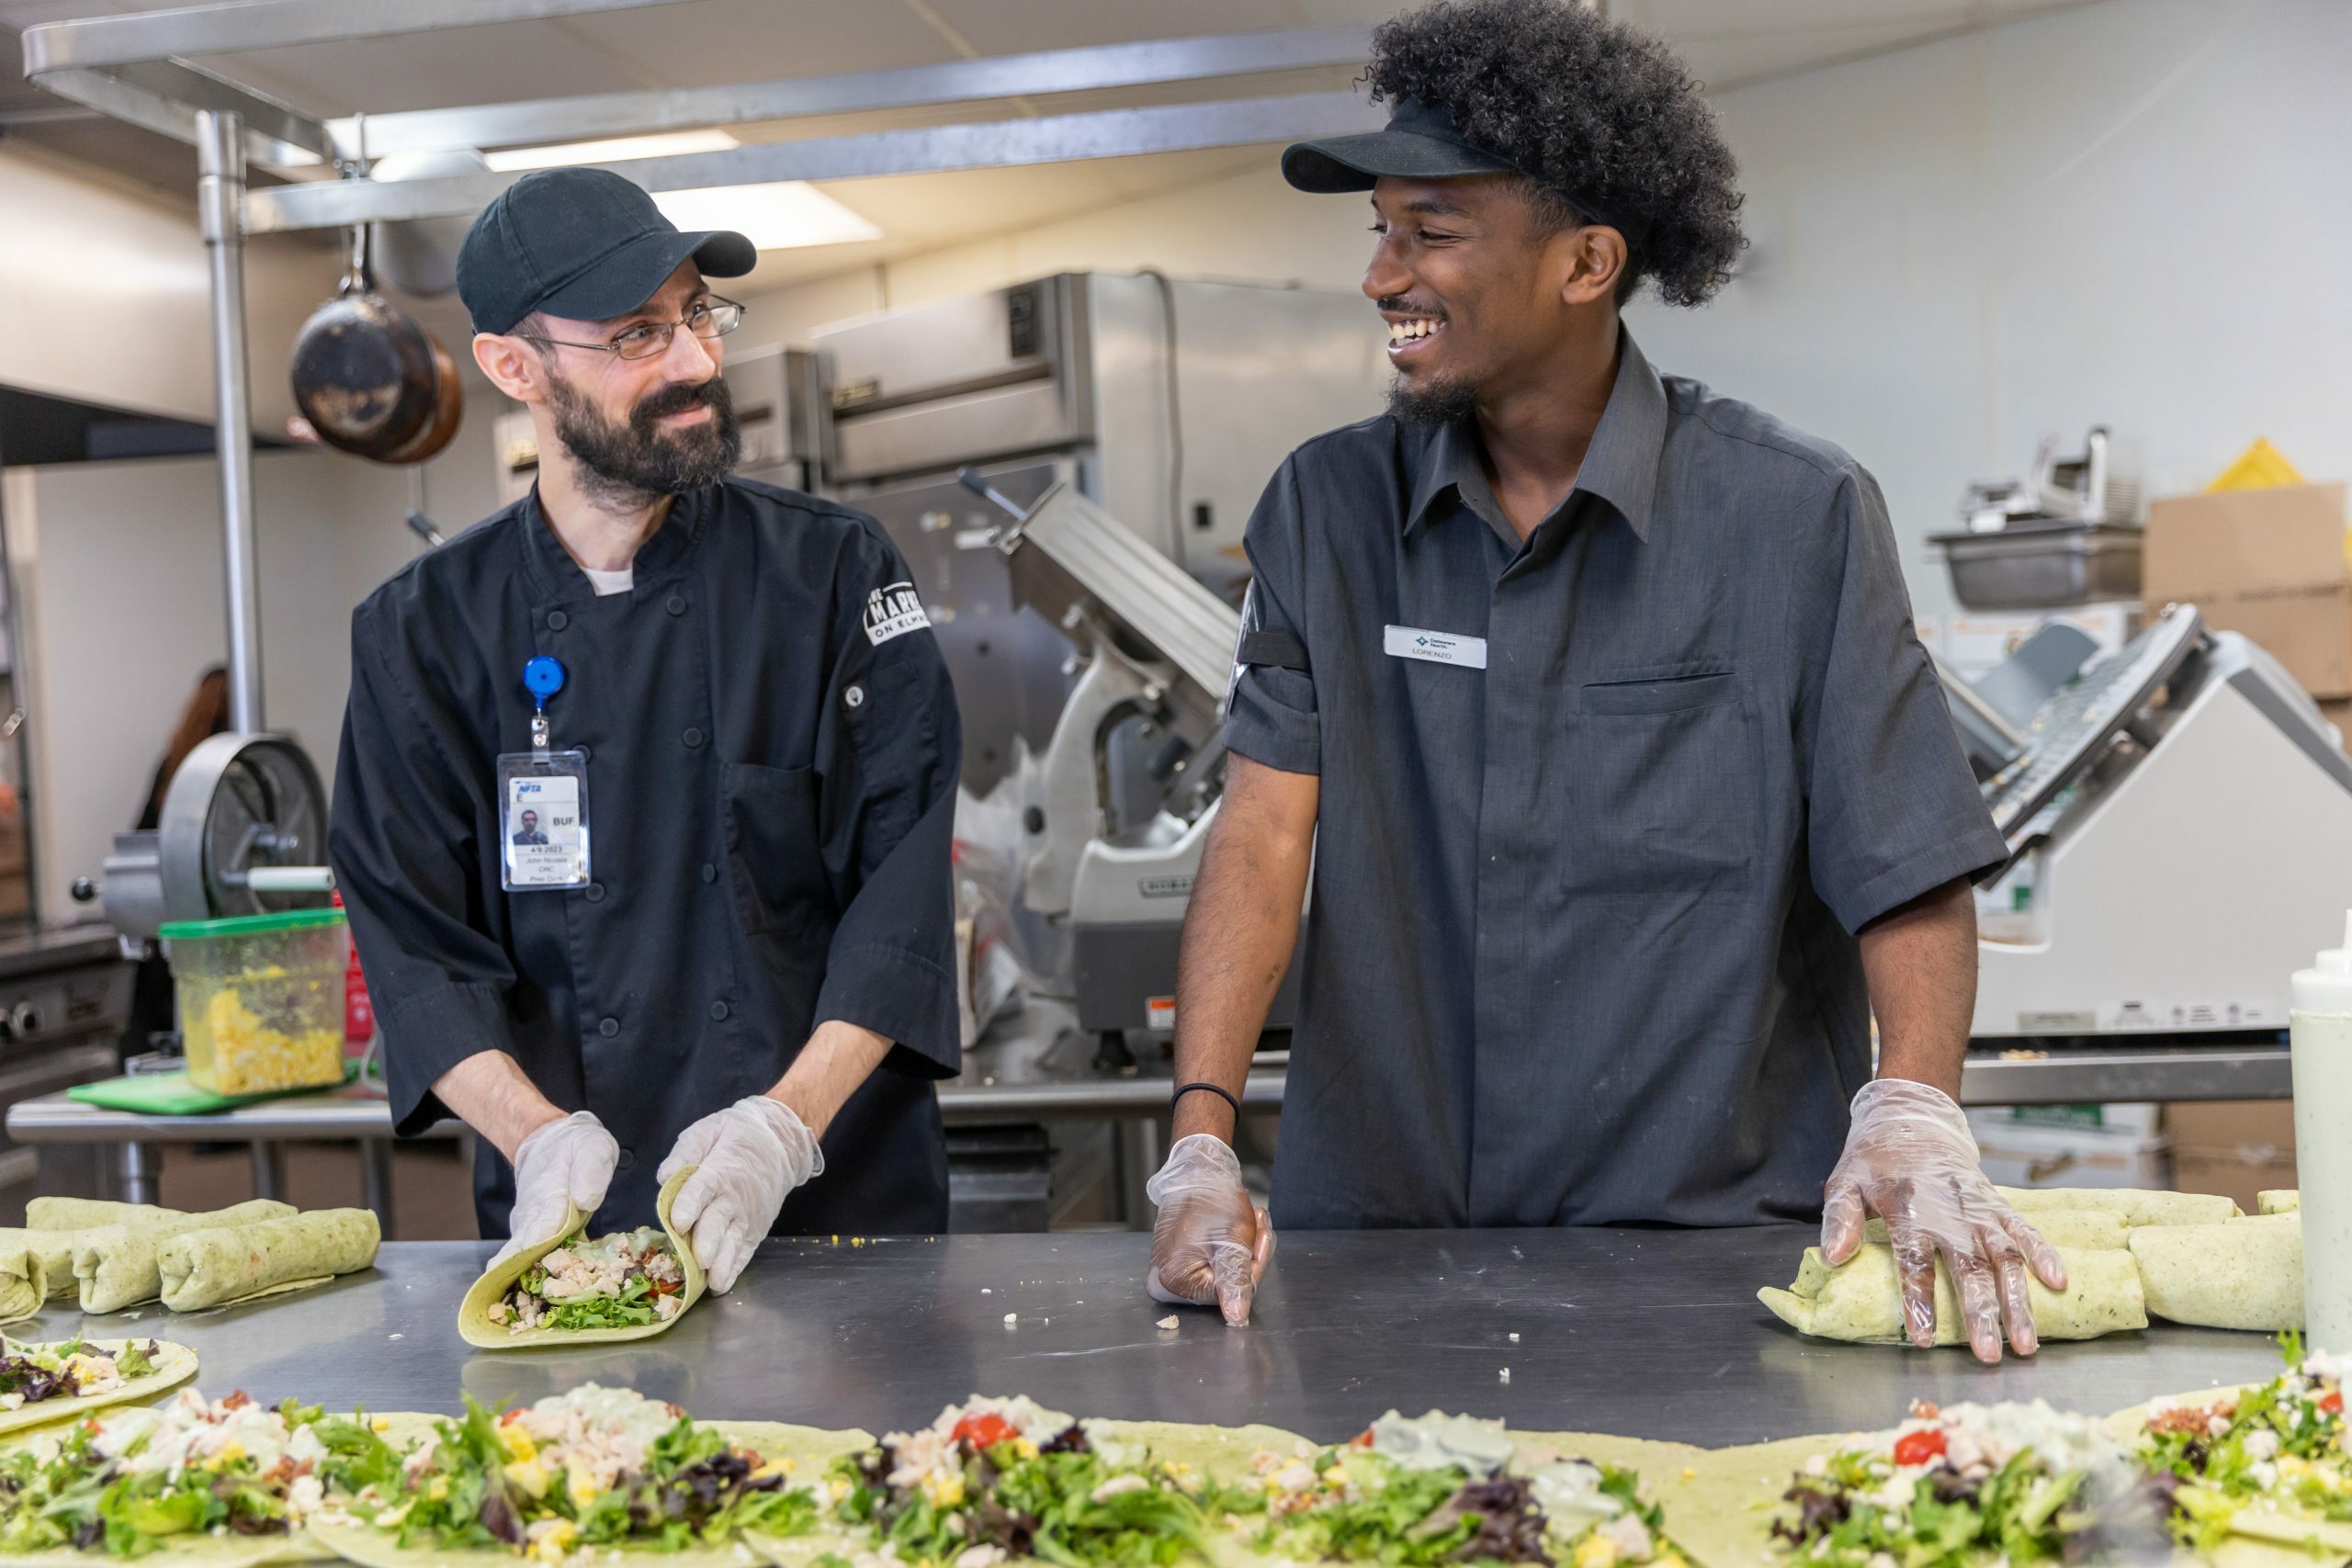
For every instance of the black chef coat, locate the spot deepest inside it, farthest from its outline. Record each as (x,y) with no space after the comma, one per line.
(1581,944)
(771,797)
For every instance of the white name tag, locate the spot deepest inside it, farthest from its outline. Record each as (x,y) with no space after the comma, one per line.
(1438,648)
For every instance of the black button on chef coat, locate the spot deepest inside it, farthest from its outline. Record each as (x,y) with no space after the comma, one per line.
(772,853)
(1579,948)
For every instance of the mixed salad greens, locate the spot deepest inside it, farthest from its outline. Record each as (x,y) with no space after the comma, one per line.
(131,1479)
(992,1479)
(32,1373)
(1951,1486)
(2280,1447)
(593,1468)
(621,1281)
(1447,1489)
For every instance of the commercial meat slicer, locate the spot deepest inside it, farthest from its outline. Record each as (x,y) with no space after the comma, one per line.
(1154,659)
(2178,817)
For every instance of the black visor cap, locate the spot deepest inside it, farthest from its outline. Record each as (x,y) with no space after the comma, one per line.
(1420,142)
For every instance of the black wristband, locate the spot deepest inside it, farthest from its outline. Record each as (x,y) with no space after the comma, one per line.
(1185,1090)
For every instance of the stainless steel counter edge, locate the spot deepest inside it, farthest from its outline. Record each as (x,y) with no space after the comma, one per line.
(1646,1333)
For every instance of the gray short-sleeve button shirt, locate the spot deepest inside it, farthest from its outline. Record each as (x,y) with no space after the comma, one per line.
(1580,945)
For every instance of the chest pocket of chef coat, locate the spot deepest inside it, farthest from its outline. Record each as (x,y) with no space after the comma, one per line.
(1662,779)
(773,854)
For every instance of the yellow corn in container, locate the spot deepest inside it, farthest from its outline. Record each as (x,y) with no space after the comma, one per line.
(261,999)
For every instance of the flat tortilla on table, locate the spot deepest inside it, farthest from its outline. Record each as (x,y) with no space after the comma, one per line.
(1860,1301)
(175,1364)
(473,1313)
(2261,1538)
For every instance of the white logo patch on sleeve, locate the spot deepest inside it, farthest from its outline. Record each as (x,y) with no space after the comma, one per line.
(893,611)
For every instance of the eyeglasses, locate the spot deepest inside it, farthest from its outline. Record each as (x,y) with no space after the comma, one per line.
(710,318)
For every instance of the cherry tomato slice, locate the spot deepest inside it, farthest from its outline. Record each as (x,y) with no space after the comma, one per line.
(983,1431)
(1918,1448)
(2331,1402)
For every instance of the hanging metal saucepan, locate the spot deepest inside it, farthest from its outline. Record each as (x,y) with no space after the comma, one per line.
(369,376)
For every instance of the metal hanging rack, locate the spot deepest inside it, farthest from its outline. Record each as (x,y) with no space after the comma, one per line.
(145,70)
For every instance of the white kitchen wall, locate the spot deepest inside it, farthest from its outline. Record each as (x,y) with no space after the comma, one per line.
(2134,213)
(119,566)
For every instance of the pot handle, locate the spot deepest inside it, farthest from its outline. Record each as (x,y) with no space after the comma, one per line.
(357,276)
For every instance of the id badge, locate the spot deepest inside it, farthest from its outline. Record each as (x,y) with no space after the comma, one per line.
(543,821)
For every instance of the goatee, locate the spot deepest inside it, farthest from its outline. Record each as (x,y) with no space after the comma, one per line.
(638,461)
(1443,401)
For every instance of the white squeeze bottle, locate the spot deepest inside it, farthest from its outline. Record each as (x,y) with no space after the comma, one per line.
(2320,1031)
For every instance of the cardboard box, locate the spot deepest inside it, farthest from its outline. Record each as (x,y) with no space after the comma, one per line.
(2269,563)
(2337,711)
(2235,1147)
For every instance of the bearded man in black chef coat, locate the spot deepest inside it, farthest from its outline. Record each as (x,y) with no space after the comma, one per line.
(750,976)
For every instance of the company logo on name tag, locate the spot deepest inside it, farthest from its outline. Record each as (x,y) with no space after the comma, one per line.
(1437,647)
(893,611)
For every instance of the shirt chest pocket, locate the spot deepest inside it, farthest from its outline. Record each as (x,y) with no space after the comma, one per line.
(1662,782)
(774,855)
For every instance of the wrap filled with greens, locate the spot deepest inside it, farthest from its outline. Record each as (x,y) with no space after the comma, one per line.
(580,1477)
(2245,1273)
(85,1213)
(583,1289)
(235,1263)
(120,1266)
(43,1383)
(1862,1300)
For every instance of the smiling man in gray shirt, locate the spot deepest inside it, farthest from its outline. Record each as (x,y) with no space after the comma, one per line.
(1635,792)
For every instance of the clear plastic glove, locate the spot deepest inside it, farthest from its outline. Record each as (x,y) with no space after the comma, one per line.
(1910,1160)
(564,1163)
(1209,1244)
(751,1156)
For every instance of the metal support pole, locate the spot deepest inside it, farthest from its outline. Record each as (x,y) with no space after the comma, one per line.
(269,1169)
(138,1172)
(220,203)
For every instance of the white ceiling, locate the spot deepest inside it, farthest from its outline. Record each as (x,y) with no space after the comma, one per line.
(1727,42)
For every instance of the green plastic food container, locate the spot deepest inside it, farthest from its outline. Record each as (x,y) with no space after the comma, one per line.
(261,999)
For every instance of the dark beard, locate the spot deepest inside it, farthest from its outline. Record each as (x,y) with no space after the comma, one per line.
(636,461)
(1442,402)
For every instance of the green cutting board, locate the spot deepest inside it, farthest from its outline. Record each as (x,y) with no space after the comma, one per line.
(175,1094)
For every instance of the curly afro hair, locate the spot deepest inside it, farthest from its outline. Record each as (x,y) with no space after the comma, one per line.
(1601,117)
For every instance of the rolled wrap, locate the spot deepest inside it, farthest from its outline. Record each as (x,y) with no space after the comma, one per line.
(118,1266)
(2279,1201)
(2135,1206)
(85,1213)
(2244,1273)
(213,1267)
(1862,1302)
(23,1287)
(2059,1227)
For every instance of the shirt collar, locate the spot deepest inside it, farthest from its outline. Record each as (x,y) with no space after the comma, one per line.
(1619,465)
(554,574)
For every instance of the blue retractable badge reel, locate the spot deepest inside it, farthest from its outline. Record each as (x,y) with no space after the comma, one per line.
(543,796)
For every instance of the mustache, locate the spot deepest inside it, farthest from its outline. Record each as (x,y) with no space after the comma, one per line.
(677,397)
(1402,306)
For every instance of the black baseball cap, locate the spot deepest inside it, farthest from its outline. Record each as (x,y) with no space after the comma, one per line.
(583,243)
(1420,142)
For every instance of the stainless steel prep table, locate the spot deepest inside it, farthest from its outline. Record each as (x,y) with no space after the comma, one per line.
(1653,1334)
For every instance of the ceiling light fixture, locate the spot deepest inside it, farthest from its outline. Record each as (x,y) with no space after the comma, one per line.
(786,215)
(614,149)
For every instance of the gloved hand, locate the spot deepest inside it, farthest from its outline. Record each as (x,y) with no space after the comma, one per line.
(1209,1244)
(1910,1160)
(565,1162)
(751,1156)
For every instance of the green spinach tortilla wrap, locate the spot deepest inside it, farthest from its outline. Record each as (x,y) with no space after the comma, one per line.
(2089,1230)
(1862,1300)
(2278,1201)
(2244,1273)
(609,1288)
(584,1476)
(120,1266)
(235,1263)
(54,1382)
(24,1280)
(2134,1206)
(85,1213)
